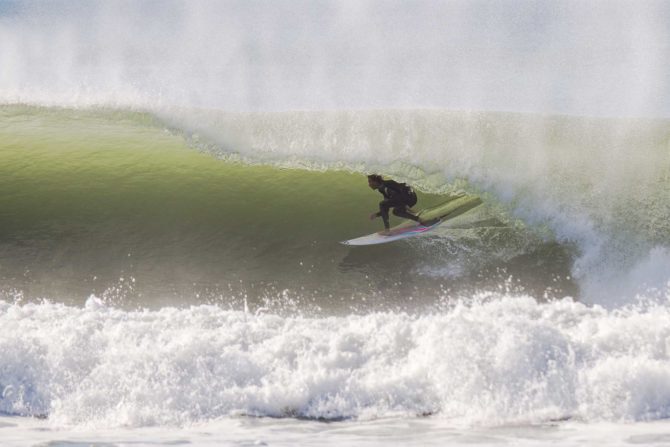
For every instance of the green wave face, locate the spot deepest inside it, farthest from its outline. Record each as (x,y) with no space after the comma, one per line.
(110,203)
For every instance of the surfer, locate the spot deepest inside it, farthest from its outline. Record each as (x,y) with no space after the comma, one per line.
(398,196)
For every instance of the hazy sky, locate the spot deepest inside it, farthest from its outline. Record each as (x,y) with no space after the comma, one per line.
(578,57)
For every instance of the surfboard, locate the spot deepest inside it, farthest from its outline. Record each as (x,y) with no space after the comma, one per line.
(455,206)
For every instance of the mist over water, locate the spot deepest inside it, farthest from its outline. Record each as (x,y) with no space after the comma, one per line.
(596,58)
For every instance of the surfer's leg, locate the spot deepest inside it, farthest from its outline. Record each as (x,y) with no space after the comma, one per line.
(384,207)
(401,211)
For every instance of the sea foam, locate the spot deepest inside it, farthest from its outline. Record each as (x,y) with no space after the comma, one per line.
(497,360)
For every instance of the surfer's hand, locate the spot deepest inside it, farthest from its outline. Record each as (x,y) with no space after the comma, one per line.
(373,216)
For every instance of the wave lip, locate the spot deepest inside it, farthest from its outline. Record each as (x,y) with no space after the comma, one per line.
(502,360)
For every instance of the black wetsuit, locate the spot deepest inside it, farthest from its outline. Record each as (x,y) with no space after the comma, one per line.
(398,196)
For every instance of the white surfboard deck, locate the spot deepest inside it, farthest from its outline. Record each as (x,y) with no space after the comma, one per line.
(394,235)
(453,207)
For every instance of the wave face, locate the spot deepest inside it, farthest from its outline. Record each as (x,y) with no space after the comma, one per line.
(108,202)
(600,184)
(502,360)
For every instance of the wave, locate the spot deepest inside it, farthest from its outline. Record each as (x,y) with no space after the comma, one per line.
(165,260)
(602,184)
(95,196)
(497,359)
(567,199)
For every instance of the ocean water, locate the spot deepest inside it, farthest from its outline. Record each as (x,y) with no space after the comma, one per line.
(157,288)
(171,212)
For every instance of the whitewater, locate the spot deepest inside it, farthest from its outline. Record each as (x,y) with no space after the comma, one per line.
(173,193)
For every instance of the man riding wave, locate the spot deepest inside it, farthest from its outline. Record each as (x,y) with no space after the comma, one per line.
(398,196)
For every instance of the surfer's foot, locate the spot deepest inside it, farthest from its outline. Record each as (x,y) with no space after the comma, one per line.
(384,232)
(428,223)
